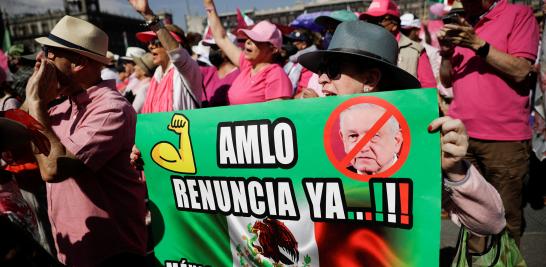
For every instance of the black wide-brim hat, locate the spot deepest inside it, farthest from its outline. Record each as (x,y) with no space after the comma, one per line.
(367,44)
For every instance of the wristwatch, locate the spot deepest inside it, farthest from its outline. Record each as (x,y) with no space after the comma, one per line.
(154,23)
(483,51)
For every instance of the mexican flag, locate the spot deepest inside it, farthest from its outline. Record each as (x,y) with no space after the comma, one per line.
(272,184)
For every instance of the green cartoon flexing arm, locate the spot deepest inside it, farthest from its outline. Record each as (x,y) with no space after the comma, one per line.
(168,156)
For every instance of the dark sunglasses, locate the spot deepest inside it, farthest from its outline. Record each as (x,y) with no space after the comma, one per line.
(331,69)
(155,43)
(380,20)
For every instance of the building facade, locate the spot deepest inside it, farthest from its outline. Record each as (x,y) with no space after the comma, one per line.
(121,30)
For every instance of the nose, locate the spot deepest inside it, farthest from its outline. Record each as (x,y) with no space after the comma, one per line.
(323,79)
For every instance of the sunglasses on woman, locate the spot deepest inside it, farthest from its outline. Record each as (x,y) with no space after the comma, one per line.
(155,43)
(331,69)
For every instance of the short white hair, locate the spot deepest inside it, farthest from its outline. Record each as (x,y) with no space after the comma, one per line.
(392,123)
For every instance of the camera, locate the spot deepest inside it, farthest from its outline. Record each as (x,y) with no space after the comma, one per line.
(451,19)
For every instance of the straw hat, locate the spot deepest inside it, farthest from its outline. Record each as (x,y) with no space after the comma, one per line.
(78,36)
(133,52)
(146,63)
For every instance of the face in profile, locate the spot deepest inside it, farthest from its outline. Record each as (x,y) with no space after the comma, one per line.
(381,152)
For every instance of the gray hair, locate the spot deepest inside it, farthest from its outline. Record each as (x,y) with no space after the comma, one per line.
(392,123)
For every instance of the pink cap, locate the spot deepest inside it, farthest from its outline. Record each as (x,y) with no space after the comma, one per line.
(379,8)
(146,37)
(264,31)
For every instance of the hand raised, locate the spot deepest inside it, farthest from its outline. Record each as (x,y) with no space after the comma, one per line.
(141,6)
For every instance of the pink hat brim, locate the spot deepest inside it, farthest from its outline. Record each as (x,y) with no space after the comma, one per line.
(257,37)
(378,14)
(147,36)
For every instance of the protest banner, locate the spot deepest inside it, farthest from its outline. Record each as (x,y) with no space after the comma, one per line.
(337,181)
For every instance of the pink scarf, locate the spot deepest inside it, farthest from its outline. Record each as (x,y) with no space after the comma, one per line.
(159,97)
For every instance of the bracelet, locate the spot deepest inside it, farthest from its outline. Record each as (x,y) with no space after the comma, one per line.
(483,51)
(154,24)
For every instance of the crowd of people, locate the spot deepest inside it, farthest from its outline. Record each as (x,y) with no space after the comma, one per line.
(481,55)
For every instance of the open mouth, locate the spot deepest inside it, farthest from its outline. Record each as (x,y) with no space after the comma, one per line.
(329,93)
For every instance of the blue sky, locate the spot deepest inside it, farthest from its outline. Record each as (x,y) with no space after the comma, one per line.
(177,7)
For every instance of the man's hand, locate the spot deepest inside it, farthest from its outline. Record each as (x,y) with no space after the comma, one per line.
(462,35)
(141,6)
(446,47)
(454,143)
(136,158)
(42,85)
(209,5)
(309,93)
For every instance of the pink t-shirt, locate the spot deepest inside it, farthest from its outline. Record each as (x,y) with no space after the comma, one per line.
(424,72)
(304,79)
(100,212)
(216,88)
(491,107)
(269,83)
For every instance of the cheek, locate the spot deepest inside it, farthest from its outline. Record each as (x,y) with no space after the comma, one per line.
(384,150)
(347,86)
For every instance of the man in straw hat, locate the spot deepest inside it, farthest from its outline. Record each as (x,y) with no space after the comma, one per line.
(362,58)
(96,199)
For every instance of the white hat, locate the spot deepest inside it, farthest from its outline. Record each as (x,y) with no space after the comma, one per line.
(408,21)
(78,36)
(202,51)
(133,52)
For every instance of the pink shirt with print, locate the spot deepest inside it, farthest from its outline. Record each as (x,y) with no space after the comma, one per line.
(491,107)
(100,212)
(271,82)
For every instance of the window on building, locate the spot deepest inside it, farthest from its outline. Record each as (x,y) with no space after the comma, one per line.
(73,6)
(45,27)
(33,29)
(22,30)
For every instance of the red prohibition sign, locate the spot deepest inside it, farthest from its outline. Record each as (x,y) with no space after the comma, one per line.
(390,110)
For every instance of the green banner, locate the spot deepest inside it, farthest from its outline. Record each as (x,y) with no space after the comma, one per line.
(337,181)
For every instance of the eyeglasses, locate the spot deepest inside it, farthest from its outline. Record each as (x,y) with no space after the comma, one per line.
(331,69)
(380,20)
(155,43)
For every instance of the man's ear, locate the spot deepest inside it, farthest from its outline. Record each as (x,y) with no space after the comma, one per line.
(399,139)
(372,77)
(79,64)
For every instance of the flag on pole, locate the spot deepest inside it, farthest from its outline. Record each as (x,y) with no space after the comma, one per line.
(241,23)
(6,43)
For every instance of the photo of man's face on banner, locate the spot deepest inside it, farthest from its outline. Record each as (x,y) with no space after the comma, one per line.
(383,149)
